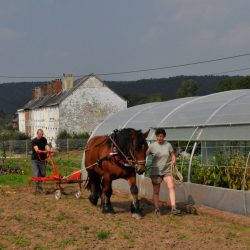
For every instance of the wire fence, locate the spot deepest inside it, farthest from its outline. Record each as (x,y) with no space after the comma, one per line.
(15,158)
(220,164)
(23,148)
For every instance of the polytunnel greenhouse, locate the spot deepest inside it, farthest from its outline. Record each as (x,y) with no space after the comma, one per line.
(211,136)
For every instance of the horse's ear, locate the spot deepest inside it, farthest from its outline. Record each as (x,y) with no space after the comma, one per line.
(146,133)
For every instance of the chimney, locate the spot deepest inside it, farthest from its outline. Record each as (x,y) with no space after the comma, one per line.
(36,93)
(43,90)
(57,86)
(67,81)
(49,88)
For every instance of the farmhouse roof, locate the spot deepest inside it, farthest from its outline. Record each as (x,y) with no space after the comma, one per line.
(56,99)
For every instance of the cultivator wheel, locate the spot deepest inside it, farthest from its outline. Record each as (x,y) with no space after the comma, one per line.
(58,194)
(78,194)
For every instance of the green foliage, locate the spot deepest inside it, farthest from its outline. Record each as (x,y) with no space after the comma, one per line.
(6,135)
(21,241)
(17,171)
(103,234)
(230,84)
(11,134)
(227,171)
(66,163)
(13,180)
(137,99)
(65,135)
(66,242)
(66,141)
(187,88)
(85,227)
(6,170)
(4,119)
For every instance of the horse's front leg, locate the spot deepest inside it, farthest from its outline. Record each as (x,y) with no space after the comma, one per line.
(106,194)
(135,204)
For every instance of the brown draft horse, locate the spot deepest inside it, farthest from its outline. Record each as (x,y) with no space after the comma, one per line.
(109,157)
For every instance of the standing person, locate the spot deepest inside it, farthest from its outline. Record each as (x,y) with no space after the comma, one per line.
(162,158)
(39,143)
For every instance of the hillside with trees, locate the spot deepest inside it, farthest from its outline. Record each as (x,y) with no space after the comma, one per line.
(149,90)
(14,95)
(230,84)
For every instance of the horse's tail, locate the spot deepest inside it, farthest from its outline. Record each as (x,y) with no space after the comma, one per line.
(95,179)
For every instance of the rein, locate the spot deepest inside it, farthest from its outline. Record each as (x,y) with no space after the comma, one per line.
(176,173)
(118,148)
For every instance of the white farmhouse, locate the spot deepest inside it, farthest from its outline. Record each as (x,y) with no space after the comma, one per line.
(76,107)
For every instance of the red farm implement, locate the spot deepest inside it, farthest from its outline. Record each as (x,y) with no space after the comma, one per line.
(57,178)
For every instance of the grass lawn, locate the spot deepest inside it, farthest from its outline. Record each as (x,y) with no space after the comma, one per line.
(65,162)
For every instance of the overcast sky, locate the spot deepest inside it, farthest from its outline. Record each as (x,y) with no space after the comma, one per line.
(52,37)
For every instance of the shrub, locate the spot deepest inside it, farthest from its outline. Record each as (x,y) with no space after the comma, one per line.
(103,234)
(228,171)
(65,135)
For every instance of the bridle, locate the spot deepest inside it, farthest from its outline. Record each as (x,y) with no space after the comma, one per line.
(135,163)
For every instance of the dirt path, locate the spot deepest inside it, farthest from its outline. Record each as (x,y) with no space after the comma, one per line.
(29,221)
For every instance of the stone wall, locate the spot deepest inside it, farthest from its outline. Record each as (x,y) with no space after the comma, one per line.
(89,105)
(46,118)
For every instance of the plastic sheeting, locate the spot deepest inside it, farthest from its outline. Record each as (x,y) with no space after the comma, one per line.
(223,116)
(220,116)
(235,201)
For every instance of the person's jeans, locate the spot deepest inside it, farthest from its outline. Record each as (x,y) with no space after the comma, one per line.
(39,171)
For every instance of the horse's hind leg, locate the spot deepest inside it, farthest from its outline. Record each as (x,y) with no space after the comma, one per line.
(95,187)
(107,192)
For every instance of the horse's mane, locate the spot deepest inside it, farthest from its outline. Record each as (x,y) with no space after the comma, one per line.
(124,139)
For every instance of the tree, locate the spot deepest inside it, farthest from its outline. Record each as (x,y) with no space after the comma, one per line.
(65,135)
(187,88)
(243,83)
(137,99)
(230,84)
(224,85)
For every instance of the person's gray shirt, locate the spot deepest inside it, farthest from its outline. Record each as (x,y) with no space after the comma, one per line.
(161,157)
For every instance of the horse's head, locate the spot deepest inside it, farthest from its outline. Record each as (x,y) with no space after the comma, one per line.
(134,145)
(138,152)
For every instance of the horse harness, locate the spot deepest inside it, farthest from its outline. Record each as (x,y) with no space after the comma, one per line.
(115,153)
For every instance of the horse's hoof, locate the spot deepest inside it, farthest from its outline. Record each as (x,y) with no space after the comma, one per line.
(137,216)
(108,210)
(93,200)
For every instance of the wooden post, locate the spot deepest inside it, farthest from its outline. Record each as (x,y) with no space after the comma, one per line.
(26,148)
(10,148)
(67,145)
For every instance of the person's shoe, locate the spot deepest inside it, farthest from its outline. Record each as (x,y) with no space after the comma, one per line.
(175,211)
(158,212)
(39,190)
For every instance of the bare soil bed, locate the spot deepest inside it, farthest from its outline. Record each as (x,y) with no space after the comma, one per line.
(29,221)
